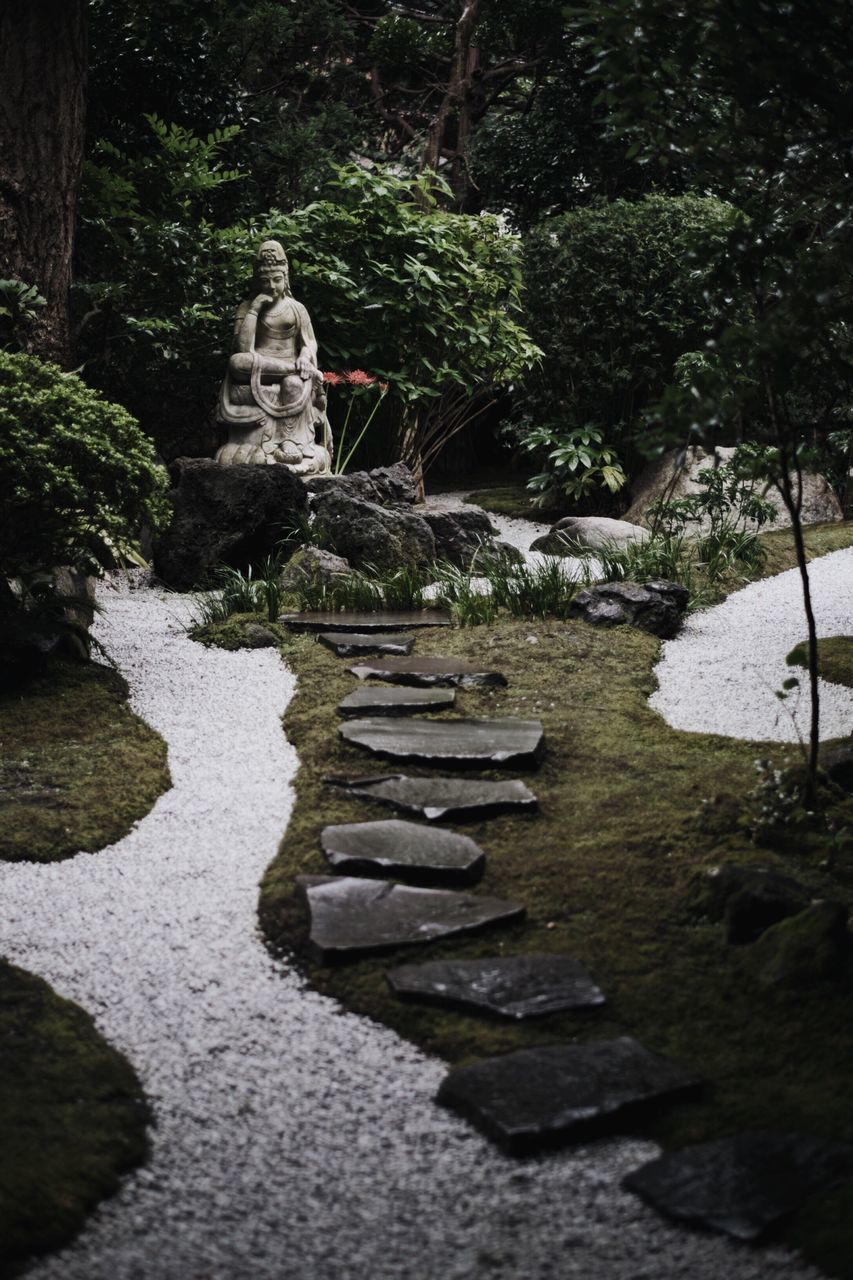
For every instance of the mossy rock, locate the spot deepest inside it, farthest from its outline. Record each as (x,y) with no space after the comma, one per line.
(72,1114)
(810,947)
(834,659)
(78,768)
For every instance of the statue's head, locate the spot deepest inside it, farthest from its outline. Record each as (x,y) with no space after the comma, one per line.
(271,269)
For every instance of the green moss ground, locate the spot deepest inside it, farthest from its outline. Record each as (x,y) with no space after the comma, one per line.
(513,500)
(834,658)
(630,809)
(72,1117)
(78,767)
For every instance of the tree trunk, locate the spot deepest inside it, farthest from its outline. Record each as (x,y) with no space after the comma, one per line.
(454,112)
(43,58)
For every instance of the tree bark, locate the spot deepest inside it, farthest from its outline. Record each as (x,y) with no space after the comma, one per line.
(43,61)
(454,112)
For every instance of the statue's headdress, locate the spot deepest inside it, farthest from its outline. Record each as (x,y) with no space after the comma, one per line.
(271,257)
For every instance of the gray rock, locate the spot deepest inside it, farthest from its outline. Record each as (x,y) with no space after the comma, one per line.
(380,701)
(312,566)
(460,535)
(665,478)
(542,1097)
(351,917)
(749,899)
(368,534)
(837,764)
(444,799)
(391,485)
(805,949)
(223,515)
(256,636)
(509,986)
(467,744)
(428,672)
(395,484)
(407,850)
(656,607)
(744,1184)
(352,645)
(594,533)
(355,621)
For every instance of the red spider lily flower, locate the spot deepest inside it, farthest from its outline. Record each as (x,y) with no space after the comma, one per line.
(335,379)
(358,378)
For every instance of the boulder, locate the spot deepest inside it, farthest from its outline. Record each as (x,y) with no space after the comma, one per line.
(366,533)
(459,535)
(312,566)
(591,532)
(256,636)
(749,899)
(807,948)
(652,606)
(665,479)
(837,764)
(393,486)
(224,515)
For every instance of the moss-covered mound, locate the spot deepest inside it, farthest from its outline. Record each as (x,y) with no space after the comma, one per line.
(72,1116)
(78,767)
(834,658)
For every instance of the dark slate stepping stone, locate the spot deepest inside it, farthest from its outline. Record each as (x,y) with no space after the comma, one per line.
(361,622)
(744,1184)
(443,799)
(377,701)
(352,918)
(428,671)
(421,855)
(465,744)
(349,644)
(543,1097)
(509,986)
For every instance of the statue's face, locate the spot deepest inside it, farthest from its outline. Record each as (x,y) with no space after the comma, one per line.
(274,282)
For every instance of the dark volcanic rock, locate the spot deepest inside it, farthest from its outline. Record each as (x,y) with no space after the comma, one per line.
(394,485)
(381,701)
(429,671)
(557,1093)
(509,986)
(312,566)
(444,799)
(744,1184)
(460,535)
(420,855)
(352,645)
(351,917)
(223,515)
(748,898)
(467,744)
(810,947)
(365,533)
(256,636)
(837,764)
(652,606)
(354,620)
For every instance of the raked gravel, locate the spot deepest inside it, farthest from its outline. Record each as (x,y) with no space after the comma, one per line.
(292,1139)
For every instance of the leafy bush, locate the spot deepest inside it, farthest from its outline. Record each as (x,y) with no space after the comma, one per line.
(77,474)
(614,294)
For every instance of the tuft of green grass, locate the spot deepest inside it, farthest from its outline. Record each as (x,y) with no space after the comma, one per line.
(72,1115)
(834,658)
(78,767)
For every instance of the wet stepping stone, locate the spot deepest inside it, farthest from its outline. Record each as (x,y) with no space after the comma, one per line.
(543,1097)
(508,986)
(741,1185)
(428,671)
(443,799)
(377,701)
(420,855)
(360,622)
(352,918)
(348,644)
(466,744)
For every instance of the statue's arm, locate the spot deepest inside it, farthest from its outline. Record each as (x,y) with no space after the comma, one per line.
(307,352)
(247,322)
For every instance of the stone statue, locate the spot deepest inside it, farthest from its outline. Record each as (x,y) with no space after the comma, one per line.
(273,399)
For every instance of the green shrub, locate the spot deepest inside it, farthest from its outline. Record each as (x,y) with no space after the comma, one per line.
(614,294)
(77,474)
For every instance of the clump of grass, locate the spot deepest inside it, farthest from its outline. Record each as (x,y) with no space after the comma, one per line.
(237,591)
(463,596)
(524,590)
(369,589)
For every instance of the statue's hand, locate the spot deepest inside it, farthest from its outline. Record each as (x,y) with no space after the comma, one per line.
(262,300)
(304,366)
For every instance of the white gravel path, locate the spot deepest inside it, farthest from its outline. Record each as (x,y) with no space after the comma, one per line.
(293,1141)
(720,673)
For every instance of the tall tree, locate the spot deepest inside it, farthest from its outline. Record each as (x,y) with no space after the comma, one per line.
(42,110)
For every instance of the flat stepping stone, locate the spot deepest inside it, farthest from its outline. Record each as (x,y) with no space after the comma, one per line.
(741,1185)
(349,644)
(507,986)
(428,671)
(420,855)
(377,701)
(466,744)
(361,622)
(352,918)
(553,1094)
(444,799)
